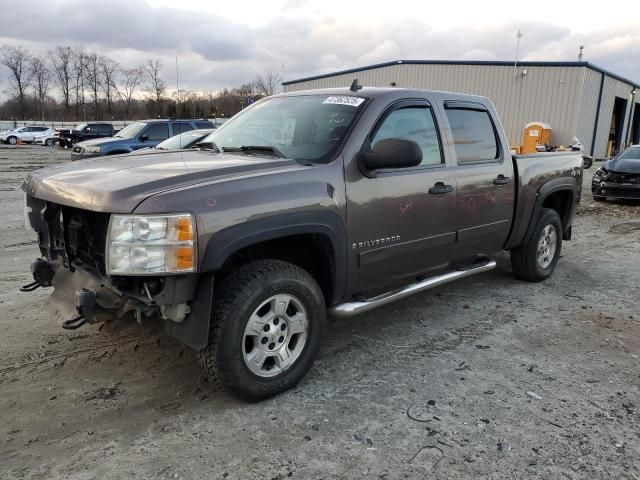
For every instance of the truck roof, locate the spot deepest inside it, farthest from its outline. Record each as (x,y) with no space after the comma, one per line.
(378,92)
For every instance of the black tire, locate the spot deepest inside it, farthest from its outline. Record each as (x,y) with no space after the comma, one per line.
(236,298)
(586,163)
(524,258)
(12,140)
(598,198)
(49,142)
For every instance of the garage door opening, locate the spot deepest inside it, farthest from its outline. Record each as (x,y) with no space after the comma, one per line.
(635,125)
(617,125)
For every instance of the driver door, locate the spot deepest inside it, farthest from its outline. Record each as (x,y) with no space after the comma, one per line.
(402,221)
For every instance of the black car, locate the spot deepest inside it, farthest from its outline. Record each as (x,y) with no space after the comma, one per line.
(67,137)
(618,177)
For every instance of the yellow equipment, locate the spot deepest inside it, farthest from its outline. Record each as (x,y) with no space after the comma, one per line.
(536,133)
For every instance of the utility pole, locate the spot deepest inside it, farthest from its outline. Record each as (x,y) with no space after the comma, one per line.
(580,54)
(177,90)
(515,62)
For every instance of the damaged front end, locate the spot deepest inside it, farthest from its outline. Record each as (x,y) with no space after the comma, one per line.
(75,245)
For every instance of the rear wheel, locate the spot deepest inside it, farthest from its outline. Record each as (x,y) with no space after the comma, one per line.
(537,259)
(267,322)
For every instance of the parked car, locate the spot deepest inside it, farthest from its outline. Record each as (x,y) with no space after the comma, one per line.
(67,137)
(143,134)
(24,134)
(240,249)
(184,140)
(619,177)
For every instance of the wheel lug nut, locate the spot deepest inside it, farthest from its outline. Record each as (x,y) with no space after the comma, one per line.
(283,326)
(265,328)
(272,346)
(281,339)
(276,320)
(264,340)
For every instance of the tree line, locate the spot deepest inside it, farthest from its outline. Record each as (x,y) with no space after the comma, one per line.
(71,84)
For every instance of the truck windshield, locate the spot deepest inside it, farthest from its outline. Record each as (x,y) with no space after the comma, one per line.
(309,127)
(80,127)
(132,130)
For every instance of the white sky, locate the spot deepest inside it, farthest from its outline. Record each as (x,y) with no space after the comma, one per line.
(579,16)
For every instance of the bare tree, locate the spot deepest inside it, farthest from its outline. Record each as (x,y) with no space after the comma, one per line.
(80,78)
(40,75)
(156,86)
(61,63)
(94,81)
(110,70)
(267,84)
(132,78)
(16,59)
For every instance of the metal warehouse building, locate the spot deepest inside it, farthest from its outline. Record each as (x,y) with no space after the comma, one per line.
(575,98)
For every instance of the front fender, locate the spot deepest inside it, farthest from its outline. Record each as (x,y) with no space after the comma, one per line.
(226,242)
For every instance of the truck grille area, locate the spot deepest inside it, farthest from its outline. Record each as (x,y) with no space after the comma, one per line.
(74,235)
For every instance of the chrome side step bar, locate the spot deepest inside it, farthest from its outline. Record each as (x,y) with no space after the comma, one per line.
(350,309)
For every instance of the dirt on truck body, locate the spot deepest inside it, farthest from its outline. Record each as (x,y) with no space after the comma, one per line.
(338,201)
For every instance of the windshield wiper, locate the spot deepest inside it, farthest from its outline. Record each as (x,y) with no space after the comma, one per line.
(256,148)
(209,146)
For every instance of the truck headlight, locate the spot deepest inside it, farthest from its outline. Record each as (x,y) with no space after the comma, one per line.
(151,244)
(92,149)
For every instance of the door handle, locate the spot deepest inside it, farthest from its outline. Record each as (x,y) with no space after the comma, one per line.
(440,189)
(501,180)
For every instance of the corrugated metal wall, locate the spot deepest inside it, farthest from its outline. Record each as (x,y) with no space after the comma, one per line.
(588,107)
(545,94)
(612,88)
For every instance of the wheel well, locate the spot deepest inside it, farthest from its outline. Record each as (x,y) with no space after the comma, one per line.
(561,202)
(310,251)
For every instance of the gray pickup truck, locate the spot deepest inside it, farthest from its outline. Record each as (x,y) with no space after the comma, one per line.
(305,204)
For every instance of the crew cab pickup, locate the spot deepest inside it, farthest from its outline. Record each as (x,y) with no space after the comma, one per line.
(305,204)
(67,137)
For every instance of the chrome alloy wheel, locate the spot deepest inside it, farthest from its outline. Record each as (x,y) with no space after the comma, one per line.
(547,246)
(275,335)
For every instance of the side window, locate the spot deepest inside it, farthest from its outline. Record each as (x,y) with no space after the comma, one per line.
(104,129)
(180,127)
(474,137)
(412,123)
(157,131)
(204,125)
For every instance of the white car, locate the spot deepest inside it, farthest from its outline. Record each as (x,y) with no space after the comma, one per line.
(47,138)
(24,134)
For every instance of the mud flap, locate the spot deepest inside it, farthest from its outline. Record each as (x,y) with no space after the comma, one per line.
(194,329)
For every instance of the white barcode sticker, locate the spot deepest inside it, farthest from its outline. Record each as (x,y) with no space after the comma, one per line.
(344,100)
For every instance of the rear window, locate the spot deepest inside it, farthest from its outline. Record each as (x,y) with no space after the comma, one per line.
(474,137)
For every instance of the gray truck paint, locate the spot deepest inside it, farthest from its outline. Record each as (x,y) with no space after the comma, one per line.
(384,230)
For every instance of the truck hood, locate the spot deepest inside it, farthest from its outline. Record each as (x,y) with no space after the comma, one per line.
(103,141)
(623,165)
(118,184)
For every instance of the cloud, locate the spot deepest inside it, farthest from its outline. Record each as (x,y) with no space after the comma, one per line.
(215,52)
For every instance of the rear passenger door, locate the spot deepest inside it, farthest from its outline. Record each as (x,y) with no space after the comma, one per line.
(484,178)
(180,127)
(402,221)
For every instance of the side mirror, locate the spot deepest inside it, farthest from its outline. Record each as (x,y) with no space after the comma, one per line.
(144,138)
(392,153)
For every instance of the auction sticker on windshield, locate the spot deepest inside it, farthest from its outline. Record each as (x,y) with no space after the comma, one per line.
(352,101)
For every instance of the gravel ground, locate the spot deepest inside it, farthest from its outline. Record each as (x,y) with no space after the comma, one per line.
(488,377)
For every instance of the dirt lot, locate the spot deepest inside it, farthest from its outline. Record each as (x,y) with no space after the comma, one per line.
(489,377)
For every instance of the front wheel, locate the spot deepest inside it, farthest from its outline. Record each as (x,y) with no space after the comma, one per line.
(49,142)
(537,259)
(267,322)
(12,140)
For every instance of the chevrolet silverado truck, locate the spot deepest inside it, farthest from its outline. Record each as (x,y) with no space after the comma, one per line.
(304,205)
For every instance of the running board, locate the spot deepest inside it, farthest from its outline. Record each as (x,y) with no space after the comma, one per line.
(350,309)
